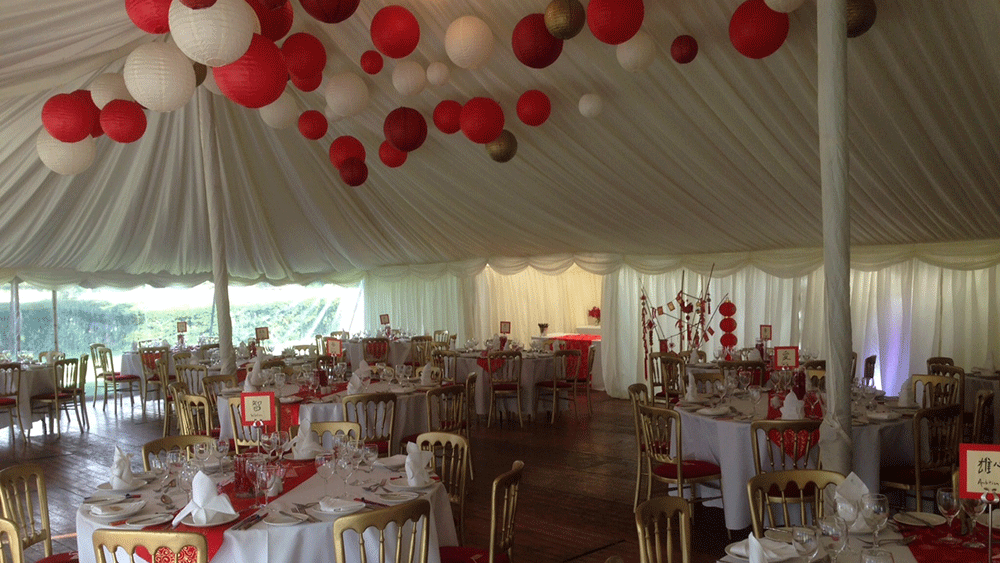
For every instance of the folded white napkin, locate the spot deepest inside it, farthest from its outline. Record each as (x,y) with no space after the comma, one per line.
(205,503)
(906,394)
(121,470)
(691,393)
(764,550)
(847,497)
(243,351)
(427,374)
(113,508)
(305,444)
(331,504)
(363,371)
(354,385)
(392,462)
(754,356)
(416,466)
(794,408)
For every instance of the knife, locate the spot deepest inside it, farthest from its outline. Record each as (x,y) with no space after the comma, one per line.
(371,503)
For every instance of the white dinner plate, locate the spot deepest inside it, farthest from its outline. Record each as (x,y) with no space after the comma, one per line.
(714,411)
(398,497)
(333,515)
(217,520)
(101,499)
(118,510)
(984,519)
(136,483)
(925,519)
(737,550)
(400,484)
(395,462)
(783,535)
(884,415)
(150,519)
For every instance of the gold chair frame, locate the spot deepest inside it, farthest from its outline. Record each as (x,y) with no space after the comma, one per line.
(757,369)
(10,383)
(193,375)
(792,485)
(639,395)
(416,511)
(447,361)
(663,437)
(938,361)
(194,413)
(666,376)
(350,430)
(563,382)
(505,381)
(504,509)
(937,390)
(10,537)
(937,432)
(375,350)
(242,438)
(364,408)
(447,409)
(656,521)
(777,458)
(152,540)
(451,463)
(983,408)
(24,500)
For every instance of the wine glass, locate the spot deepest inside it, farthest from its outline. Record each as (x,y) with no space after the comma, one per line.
(268,475)
(342,467)
(202,451)
(974,507)
(324,468)
(186,478)
(755,395)
(369,455)
(281,438)
(269,442)
(875,510)
(948,505)
(805,541)
(833,535)
(222,447)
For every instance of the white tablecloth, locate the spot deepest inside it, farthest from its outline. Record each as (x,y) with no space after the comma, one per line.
(131,364)
(399,352)
(311,542)
(533,370)
(727,443)
(34,380)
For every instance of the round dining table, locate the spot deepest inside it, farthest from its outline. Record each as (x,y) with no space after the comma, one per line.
(535,367)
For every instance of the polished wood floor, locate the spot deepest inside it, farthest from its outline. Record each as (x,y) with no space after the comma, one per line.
(575,501)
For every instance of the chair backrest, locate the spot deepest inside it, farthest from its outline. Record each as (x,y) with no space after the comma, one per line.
(411,518)
(341,335)
(81,373)
(504,506)
(10,542)
(447,409)
(192,375)
(447,361)
(591,355)
(953,372)
(567,365)
(305,349)
(350,430)
(939,361)
(194,413)
(451,462)
(816,378)
(661,432)
(666,376)
(441,336)
(981,415)
(657,521)
(421,347)
(785,444)
(691,356)
(376,413)
(161,546)
(936,390)
(470,395)
(869,371)
(10,379)
(152,448)
(272,363)
(504,366)
(375,350)
(814,364)
(707,381)
(183,357)
(937,432)
(107,361)
(94,350)
(757,369)
(66,374)
(212,384)
(149,356)
(25,502)
(804,488)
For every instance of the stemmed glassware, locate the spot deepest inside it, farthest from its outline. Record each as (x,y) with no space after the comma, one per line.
(948,505)
(342,467)
(806,542)
(974,507)
(281,439)
(268,476)
(325,468)
(222,447)
(875,510)
(833,536)
(186,478)
(369,454)
(756,392)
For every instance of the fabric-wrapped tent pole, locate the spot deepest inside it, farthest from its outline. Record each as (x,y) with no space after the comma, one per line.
(217,231)
(836,452)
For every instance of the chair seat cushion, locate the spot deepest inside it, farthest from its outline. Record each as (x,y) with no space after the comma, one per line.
(68,557)
(556,384)
(52,397)
(408,439)
(505,386)
(7,401)
(383,447)
(693,468)
(463,554)
(906,475)
(125,377)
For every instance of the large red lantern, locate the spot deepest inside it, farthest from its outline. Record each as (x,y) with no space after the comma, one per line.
(615,21)
(304,54)
(482,120)
(371,62)
(274,24)
(354,172)
(533,107)
(405,128)
(257,78)
(123,121)
(447,116)
(313,124)
(756,30)
(330,11)
(95,111)
(533,45)
(150,16)
(390,155)
(198,4)
(684,49)
(346,147)
(395,31)
(307,83)
(68,118)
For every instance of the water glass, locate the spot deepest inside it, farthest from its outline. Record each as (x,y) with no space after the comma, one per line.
(948,505)
(325,468)
(875,511)
(755,396)
(222,447)
(974,507)
(805,541)
(833,536)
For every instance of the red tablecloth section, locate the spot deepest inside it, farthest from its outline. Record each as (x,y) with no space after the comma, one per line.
(582,343)
(926,549)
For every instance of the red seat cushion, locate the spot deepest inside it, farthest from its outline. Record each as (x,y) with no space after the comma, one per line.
(505,386)
(126,377)
(557,384)
(7,401)
(68,557)
(52,396)
(410,438)
(383,448)
(693,468)
(463,554)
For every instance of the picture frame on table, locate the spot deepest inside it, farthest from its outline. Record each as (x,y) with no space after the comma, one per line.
(258,409)
(504,327)
(978,470)
(786,357)
(262,333)
(765,332)
(182,326)
(383,319)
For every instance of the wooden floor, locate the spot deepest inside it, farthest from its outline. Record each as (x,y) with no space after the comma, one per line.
(575,501)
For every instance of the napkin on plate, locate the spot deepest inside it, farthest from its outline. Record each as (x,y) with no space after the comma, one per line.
(331,504)
(355,384)
(906,394)
(305,445)
(243,351)
(416,466)
(121,470)
(691,393)
(363,371)
(847,498)
(765,550)
(392,462)
(205,503)
(794,408)
(427,374)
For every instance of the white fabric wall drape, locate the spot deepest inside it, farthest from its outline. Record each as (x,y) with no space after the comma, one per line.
(416,304)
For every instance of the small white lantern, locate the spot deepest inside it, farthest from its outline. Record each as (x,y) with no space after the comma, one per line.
(159,76)
(468,42)
(591,105)
(438,73)
(211,85)
(282,113)
(635,54)
(65,158)
(409,78)
(346,94)
(213,36)
(107,87)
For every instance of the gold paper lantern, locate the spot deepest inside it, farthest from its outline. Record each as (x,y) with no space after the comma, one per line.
(860,16)
(565,18)
(503,148)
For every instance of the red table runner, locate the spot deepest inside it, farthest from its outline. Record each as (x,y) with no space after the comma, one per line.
(926,549)
(582,343)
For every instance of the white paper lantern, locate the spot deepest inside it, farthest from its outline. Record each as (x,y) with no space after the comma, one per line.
(784,6)
(281,113)
(65,158)
(331,116)
(468,42)
(107,87)
(438,73)
(591,105)
(159,76)
(635,54)
(409,78)
(213,36)
(346,94)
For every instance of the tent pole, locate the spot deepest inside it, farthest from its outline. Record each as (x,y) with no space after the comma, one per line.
(217,230)
(836,452)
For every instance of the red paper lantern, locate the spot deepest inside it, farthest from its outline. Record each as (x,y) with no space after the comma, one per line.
(257,78)
(371,62)
(482,120)
(346,147)
(68,118)
(405,128)
(198,4)
(728,340)
(313,124)
(307,83)
(274,24)
(273,4)
(615,21)
(447,116)
(330,11)
(97,131)
(684,49)
(727,324)
(395,31)
(304,54)
(756,30)
(149,15)
(533,45)
(390,155)
(354,172)
(533,107)
(95,111)
(727,309)
(123,121)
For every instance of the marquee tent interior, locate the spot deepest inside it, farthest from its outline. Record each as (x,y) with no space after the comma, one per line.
(710,166)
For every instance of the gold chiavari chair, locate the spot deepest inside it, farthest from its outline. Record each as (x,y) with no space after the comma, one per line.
(169,396)
(936,435)
(349,430)
(305,350)
(792,485)
(420,350)
(936,390)
(194,412)
(938,361)
(192,375)
(663,436)
(707,382)
(183,357)
(757,369)
(503,511)
(447,362)
(504,380)
(451,463)
(666,376)
(118,382)
(470,398)
(149,355)
(954,372)
(982,418)
(657,520)
(25,502)
(779,445)
(442,336)
(692,356)
(63,395)
(80,392)
(411,518)
(243,436)
(212,385)
(563,383)
(814,364)
(10,541)
(152,448)
(376,413)
(638,394)
(375,350)
(163,546)
(447,409)
(10,383)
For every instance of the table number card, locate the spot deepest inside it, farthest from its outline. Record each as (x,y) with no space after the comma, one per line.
(182,326)
(262,333)
(504,327)
(786,357)
(978,469)
(765,332)
(383,318)
(258,408)
(334,347)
